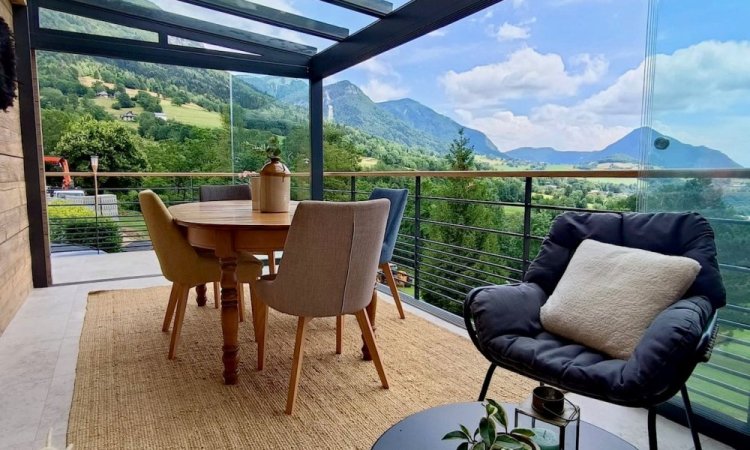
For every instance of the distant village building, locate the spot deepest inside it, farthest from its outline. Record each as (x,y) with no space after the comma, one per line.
(128,116)
(161,115)
(102,94)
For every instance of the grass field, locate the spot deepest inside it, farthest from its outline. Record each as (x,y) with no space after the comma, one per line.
(190,113)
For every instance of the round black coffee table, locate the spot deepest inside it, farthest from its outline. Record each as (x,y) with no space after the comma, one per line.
(424,430)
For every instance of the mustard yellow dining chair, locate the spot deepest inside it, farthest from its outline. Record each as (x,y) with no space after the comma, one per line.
(330,261)
(182,264)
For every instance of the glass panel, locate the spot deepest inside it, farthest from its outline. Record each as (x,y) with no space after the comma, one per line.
(68,22)
(240,23)
(257,119)
(700,94)
(195,44)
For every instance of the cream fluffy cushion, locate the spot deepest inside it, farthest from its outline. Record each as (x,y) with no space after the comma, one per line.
(609,295)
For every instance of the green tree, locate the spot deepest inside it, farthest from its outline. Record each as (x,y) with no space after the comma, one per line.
(459,260)
(123,100)
(117,146)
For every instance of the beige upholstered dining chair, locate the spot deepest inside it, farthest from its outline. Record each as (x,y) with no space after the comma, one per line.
(182,265)
(330,262)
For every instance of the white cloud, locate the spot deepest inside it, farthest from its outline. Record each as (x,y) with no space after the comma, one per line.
(510,32)
(701,96)
(437,33)
(526,73)
(376,66)
(548,127)
(518,3)
(380,91)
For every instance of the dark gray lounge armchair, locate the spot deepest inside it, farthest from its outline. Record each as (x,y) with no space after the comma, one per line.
(504,323)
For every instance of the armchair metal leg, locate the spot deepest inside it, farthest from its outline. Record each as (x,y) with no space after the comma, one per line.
(690,417)
(487,380)
(652,444)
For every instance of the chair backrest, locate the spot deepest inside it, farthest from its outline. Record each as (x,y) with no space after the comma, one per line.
(681,234)
(397,197)
(174,252)
(209,193)
(330,258)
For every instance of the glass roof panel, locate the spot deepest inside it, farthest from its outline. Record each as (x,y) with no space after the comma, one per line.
(195,44)
(228,20)
(55,20)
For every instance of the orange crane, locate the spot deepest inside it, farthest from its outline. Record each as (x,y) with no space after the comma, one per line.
(63,164)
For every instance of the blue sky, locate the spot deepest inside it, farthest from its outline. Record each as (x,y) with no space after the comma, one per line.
(563,73)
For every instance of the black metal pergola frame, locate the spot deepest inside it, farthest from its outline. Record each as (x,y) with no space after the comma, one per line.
(257,53)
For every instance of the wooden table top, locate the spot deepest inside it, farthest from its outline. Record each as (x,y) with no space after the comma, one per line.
(230,214)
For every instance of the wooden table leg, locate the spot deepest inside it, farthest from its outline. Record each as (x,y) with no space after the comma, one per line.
(371,310)
(229,311)
(201,291)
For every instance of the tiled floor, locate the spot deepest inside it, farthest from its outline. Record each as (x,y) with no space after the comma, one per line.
(39,351)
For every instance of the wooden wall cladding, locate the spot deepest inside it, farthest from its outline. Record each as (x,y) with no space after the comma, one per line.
(15,258)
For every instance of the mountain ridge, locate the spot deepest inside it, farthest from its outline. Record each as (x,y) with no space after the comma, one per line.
(678,155)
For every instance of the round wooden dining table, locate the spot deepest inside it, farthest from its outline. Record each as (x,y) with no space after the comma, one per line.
(226,227)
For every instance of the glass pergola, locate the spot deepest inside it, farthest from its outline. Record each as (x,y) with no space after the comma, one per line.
(319,39)
(324,39)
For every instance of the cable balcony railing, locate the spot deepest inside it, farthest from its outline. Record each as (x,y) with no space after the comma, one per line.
(457,234)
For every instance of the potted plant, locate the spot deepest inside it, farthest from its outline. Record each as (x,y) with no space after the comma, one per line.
(275,181)
(487,437)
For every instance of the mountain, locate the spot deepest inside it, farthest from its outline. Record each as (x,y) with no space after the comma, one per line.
(437,125)
(678,155)
(345,103)
(405,121)
(287,90)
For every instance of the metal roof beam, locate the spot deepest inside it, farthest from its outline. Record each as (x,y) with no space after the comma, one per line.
(413,20)
(153,52)
(122,13)
(377,8)
(275,17)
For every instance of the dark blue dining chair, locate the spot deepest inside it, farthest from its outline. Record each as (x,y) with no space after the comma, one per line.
(397,197)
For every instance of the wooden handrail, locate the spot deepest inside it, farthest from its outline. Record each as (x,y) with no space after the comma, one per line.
(657,173)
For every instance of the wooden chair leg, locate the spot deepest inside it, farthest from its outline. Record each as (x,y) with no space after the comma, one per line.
(271,262)
(296,364)
(217,294)
(386,268)
(182,297)
(241,300)
(339,333)
(369,337)
(170,308)
(261,311)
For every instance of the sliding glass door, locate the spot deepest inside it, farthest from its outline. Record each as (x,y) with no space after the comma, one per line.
(697,116)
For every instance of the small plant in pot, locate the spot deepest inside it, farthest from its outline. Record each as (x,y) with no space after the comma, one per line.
(272,149)
(487,436)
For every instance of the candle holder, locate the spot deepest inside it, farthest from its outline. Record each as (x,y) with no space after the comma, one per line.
(548,405)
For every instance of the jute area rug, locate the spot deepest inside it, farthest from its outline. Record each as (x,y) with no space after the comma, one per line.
(128,395)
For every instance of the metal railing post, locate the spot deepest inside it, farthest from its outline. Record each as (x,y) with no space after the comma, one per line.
(526,222)
(353,187)
(417,231)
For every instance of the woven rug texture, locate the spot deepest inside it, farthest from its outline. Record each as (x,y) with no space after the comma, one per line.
(128,395)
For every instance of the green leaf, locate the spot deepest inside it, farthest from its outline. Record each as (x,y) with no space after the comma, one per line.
(464,446)
(484,429)
(458,434)
(523,432)
(491,431)
(491,409)
(499,415)
(479,446)
(508,442)
(466,432)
